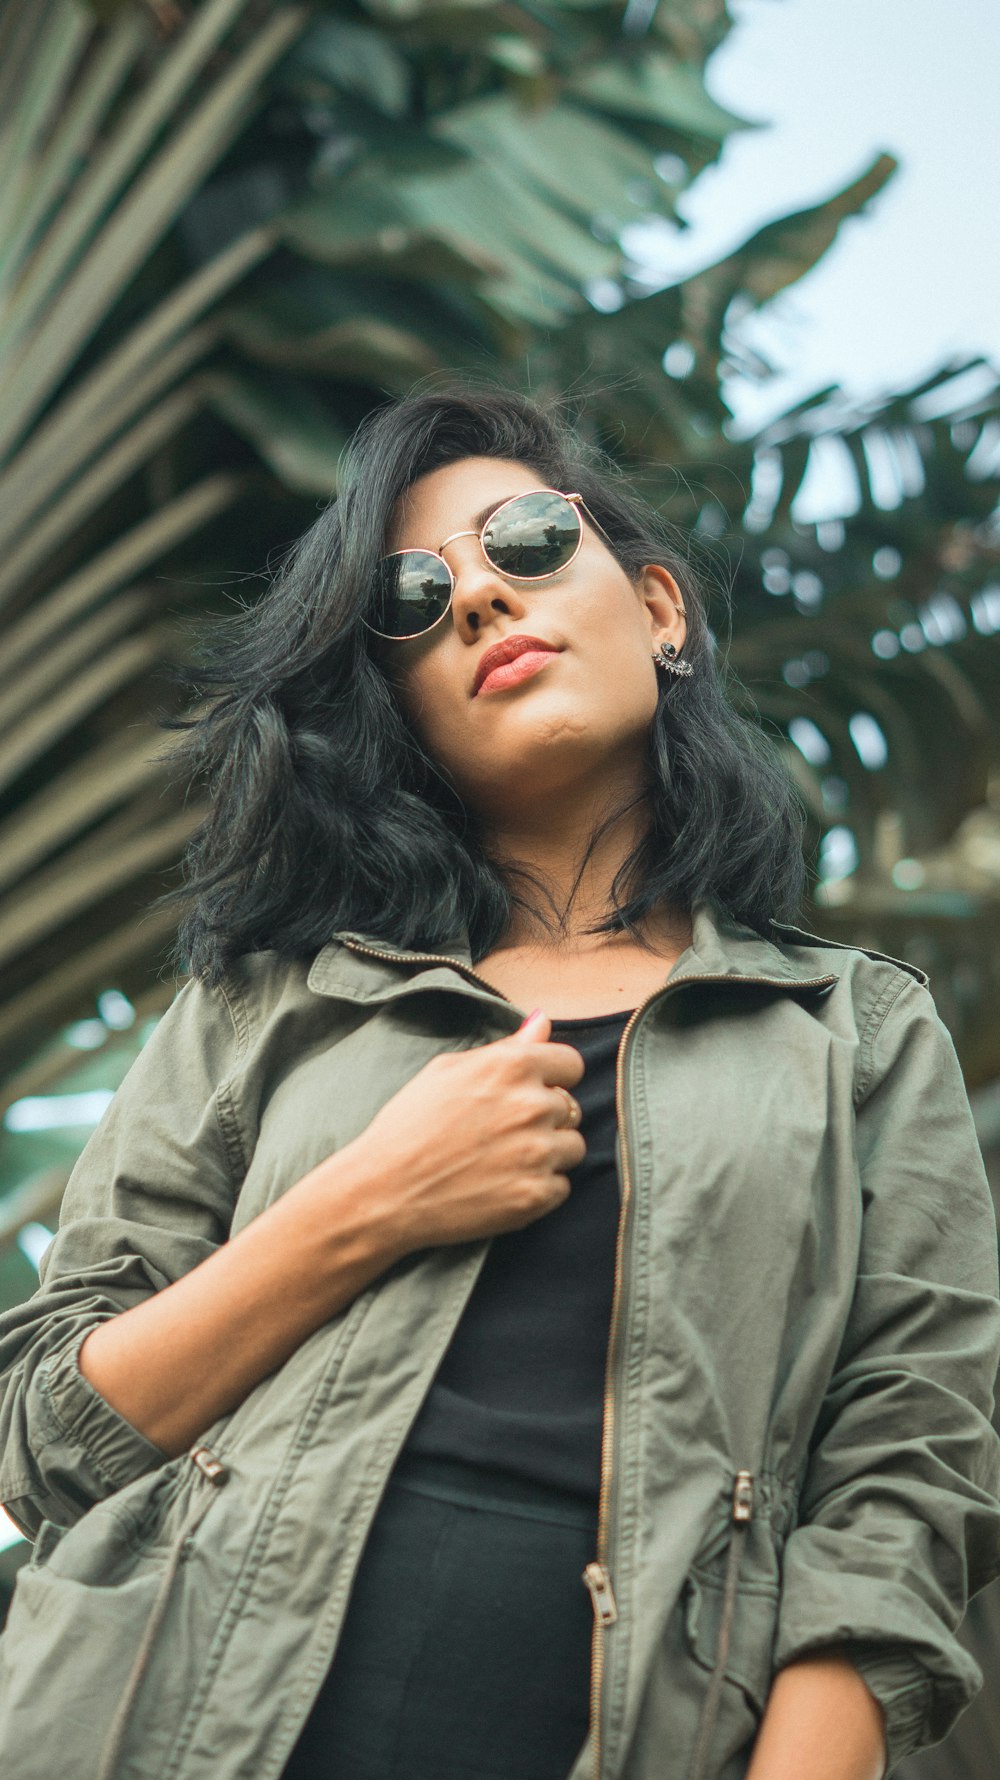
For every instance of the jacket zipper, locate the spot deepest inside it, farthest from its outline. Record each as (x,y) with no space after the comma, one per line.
(597,1574)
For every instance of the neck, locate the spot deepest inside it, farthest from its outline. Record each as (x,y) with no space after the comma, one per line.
(569,857)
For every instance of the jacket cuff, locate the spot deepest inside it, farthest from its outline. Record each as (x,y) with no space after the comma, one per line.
(903,1690)
(83,1419)
(919,1708)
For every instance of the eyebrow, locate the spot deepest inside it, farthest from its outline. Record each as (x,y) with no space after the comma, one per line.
(480,519)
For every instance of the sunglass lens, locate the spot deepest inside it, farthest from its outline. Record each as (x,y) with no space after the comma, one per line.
(532,536)
(412,591)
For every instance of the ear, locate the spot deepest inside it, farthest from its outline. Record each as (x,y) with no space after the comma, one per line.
(664,605)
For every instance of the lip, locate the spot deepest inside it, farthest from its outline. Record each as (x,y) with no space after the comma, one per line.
(510,673)
(506,651)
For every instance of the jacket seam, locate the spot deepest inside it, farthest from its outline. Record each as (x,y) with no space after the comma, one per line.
(16,1487)
(232,1137)
(873,1026)
(226,1112)
(237,1008)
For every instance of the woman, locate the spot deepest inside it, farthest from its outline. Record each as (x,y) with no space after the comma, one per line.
(316,1468)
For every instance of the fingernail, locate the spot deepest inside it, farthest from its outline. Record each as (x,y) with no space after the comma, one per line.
(532,1016)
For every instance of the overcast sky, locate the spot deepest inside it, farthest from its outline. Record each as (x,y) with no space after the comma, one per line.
(916,279)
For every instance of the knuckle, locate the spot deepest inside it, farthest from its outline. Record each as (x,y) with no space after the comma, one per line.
(532,1104)
(527,1195)
(534,1152)
(518,1061)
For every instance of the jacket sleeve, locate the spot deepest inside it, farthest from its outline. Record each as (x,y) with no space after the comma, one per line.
(151,1196)
(899,1517)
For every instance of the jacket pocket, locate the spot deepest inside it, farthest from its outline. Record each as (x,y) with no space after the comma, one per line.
(749,1660)
(676,1710)
(83,1610)
(66,1654)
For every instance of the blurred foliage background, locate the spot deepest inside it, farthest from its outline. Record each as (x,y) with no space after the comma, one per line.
(227,230)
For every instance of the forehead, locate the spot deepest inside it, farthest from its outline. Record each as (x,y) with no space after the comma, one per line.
(454,498)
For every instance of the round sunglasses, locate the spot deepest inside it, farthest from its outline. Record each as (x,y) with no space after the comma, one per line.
(527,538)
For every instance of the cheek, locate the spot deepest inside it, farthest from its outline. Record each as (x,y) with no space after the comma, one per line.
(430,708)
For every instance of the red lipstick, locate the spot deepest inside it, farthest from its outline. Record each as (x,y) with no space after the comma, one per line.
(502,655)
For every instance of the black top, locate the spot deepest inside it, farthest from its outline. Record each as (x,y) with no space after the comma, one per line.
(521,1385)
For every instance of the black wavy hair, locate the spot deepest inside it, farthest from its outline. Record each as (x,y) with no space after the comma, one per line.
(325,811)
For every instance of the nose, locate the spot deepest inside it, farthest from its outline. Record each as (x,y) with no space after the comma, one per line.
(481,593)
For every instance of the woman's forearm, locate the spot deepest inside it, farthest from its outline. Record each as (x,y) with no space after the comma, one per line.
(192,1352)
(821,1723)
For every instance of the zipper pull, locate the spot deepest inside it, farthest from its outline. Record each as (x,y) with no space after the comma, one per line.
(209,1465)
(598,1580)
(743,1496)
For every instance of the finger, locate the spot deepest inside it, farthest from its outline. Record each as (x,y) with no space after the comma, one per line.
(568,1149)
(561,1065)
(536,1027)
(570,1113)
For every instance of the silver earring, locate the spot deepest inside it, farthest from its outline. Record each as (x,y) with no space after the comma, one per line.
(666,657)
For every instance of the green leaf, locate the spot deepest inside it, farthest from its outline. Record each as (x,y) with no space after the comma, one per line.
(361,349)
(73,886)
(368,220)
(396,12)
(68,986)
(79,796)
(52,168)
(287,423)
(660,90)
(779,253)
(89,492)
(41,682)
(352,58)
(31,104)
(116,162)
(517,54)
(98,577)
(157,351)
(140,221)
(545,149)
(361,328)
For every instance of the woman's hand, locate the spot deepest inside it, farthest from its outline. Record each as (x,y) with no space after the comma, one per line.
(477,1142)
(474,1144)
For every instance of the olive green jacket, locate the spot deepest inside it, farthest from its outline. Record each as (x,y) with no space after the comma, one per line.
(804,1341)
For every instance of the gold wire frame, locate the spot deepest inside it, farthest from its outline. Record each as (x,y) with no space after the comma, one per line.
(575,500)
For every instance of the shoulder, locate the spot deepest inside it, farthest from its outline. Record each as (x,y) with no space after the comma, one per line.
(844,958)
(879,993)
(896,1022)
(256,989)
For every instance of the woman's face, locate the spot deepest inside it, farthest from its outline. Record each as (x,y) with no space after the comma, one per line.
(585,706)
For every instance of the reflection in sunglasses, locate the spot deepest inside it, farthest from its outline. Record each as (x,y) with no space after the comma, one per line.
(528,538)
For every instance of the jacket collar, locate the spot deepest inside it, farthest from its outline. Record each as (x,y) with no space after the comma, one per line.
(358,967)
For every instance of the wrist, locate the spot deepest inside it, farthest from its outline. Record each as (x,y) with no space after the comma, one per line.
(357,1223)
